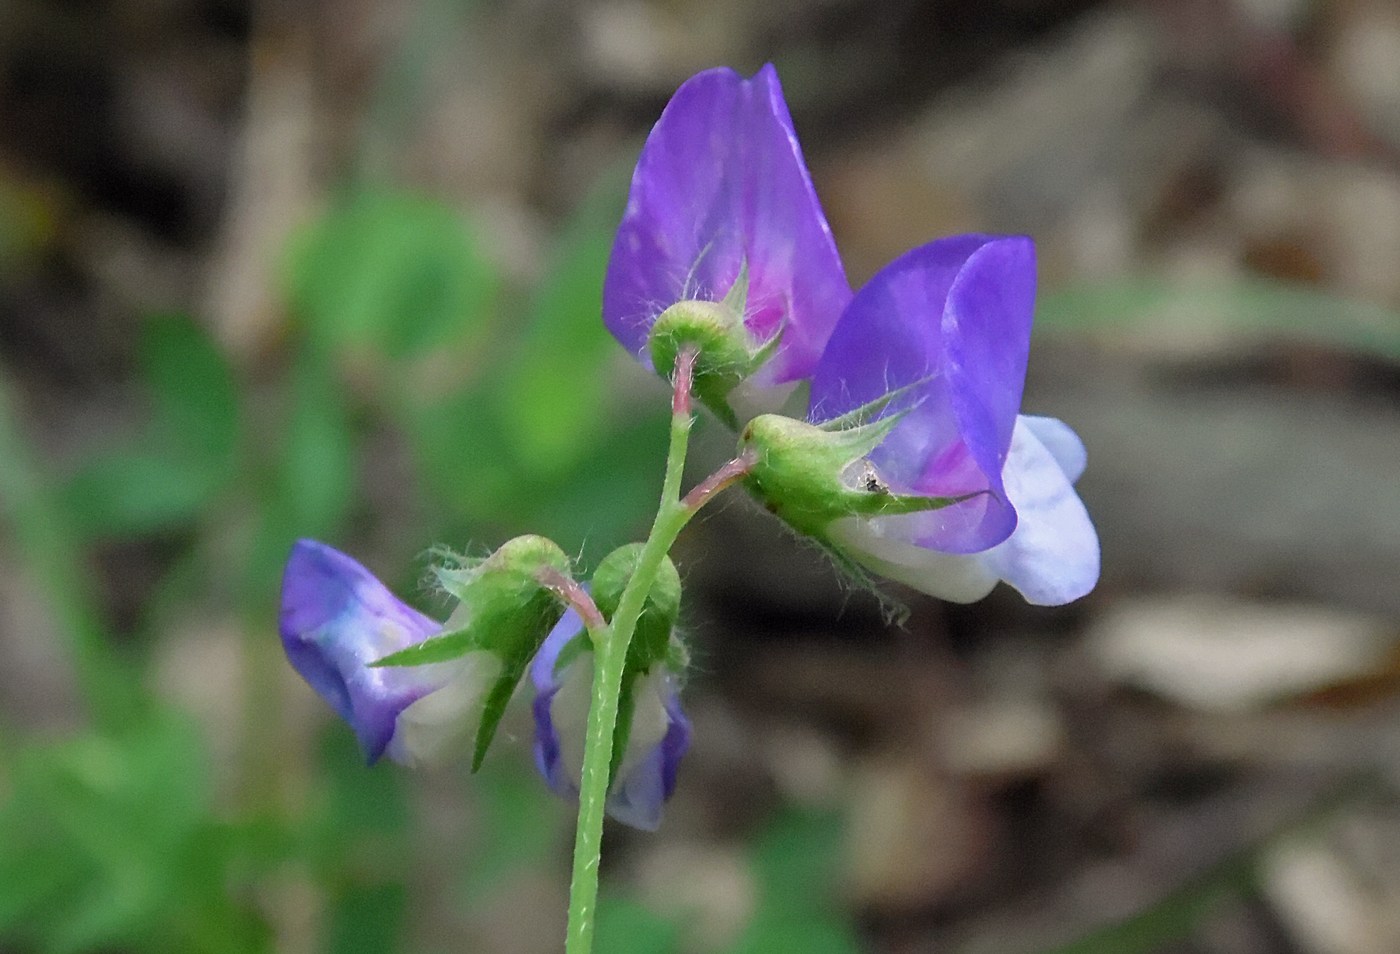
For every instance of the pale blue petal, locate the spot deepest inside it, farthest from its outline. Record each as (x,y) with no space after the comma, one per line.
(880,545)
(1053,557)
(637,798)
(1062,443)
(647,775)
(550,759)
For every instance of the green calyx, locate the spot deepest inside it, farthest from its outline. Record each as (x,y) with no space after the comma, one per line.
(720,342)
(502,609)
(810,475)
(715,331)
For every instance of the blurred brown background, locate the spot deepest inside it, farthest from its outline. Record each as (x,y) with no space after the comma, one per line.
(1214,187)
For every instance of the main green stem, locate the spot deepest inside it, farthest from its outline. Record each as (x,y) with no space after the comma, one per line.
(610,656)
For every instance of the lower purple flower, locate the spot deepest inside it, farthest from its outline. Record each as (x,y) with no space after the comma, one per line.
(336,619)
(944,333)
(658,739)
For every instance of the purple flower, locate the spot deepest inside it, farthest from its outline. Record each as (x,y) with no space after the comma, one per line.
(946,329)
(659,735)
(336,619)
(721,186)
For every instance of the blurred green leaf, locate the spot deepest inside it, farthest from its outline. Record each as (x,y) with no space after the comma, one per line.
(316,481)
(519,826)
(819,934)
(107,842)
(541,441)
(469,464)
(362,830)
(137,492)
(463,457)
(308,477)
(192,386)
(610,493)
(795,862)
(390,274)
(1256,306)
(45,540)
(553,400)
(366,919)
(185,454)
(360,799)
(626,927)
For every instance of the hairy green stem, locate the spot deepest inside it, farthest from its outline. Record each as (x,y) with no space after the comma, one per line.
(610,657)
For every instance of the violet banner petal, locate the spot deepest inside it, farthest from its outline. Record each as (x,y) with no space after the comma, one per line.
(950,321)
(335,619)
(548,750)
(721,182)
(677,739)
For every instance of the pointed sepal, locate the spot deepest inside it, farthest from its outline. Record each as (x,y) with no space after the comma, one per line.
(811,475)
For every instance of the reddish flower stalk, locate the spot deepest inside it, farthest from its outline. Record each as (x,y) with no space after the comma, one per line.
(683,379)
(572,594)
(727,476)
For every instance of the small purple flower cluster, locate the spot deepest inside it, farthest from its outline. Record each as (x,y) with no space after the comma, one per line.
(937,341)
(337,619)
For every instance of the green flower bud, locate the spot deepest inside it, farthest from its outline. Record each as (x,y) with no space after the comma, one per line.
(499,585)
(651,641)
(725,352)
